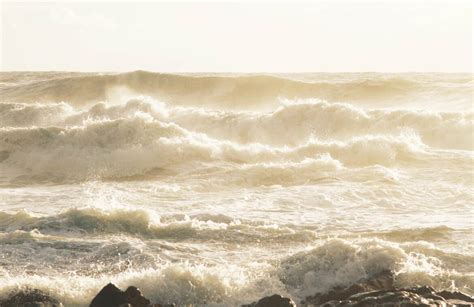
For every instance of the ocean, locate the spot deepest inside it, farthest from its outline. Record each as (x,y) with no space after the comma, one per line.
(219,189)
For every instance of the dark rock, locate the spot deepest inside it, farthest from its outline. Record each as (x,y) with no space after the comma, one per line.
(456,296)
(379,290)
(111,296)
(273,301)
(30,298)
(382,281)
(135,298)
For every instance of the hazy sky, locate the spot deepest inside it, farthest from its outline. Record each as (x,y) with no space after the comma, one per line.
(237,37)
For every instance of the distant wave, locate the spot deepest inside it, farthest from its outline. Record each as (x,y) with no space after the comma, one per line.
(231,91)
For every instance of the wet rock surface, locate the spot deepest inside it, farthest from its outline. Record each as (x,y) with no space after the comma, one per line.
(112,296)
(30,298)
(379,291)
(109,296)
(272,301)
(376,291)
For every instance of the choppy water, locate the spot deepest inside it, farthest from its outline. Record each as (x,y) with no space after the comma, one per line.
(219,189)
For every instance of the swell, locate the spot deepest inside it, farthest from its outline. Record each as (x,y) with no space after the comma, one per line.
(241,91)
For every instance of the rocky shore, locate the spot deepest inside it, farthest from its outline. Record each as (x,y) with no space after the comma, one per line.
(376,291)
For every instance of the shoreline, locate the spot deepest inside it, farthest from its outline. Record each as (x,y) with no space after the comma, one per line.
(378,290)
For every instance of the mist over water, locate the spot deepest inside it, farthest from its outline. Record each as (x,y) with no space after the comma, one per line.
(219,189)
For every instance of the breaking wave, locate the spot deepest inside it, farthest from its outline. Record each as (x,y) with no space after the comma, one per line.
(327,264)
(25,115)
(291,124)
(342,263)
(220,189)
(62,143)
(236,91)
(294,122)
(103,150)
(23,226)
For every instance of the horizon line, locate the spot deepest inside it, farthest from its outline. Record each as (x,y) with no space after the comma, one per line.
(242,72)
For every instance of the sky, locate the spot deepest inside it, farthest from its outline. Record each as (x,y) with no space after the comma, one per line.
(317,36)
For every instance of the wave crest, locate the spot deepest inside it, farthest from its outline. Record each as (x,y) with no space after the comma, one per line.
(342,263)
(239,91)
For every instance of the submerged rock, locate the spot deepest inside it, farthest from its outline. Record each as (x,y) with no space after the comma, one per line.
(30,298)
(272,301)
